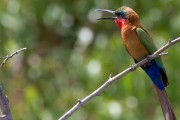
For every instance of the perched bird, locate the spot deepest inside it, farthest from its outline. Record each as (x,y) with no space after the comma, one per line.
(139,45)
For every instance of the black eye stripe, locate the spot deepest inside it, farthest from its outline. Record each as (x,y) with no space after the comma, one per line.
(120,13)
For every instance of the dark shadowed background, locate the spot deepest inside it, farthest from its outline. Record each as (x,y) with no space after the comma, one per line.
(70,54)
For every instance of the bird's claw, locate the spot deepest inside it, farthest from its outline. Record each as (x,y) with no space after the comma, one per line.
(148,58)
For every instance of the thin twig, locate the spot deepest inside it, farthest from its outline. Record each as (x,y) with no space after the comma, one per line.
(111,80)
(10,56)
(4,102)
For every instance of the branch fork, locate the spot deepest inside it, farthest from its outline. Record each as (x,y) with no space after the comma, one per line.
(4,102)
(111,79)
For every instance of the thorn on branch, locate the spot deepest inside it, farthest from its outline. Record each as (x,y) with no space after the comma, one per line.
(161,54)
(110,76)
(7,98)
(170,42)
(3,57)
(2,116)
(79,101)
(132,68)
(98,94)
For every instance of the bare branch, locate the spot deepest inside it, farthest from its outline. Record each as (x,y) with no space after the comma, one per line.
(10,56)
(4,102)
(111,80)
(4,105)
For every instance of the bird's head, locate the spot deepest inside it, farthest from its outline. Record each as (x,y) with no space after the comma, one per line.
(122,15)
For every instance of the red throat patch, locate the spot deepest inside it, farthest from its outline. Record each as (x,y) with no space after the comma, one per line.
(120,22)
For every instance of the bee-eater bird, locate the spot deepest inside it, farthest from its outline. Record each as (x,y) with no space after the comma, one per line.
(139,45)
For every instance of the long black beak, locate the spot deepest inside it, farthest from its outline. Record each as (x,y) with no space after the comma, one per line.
(108,11)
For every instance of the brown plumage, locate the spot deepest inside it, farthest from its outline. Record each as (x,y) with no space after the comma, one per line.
(138,50)
(139,44)
(165,104)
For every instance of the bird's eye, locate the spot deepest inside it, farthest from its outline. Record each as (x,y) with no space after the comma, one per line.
(120,13)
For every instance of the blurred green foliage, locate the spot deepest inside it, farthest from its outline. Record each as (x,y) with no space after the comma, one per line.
(70,54)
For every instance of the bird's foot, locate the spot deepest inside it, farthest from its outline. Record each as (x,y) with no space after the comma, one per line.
(149,58)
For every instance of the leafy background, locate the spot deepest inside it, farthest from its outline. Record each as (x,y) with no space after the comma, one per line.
(70,54)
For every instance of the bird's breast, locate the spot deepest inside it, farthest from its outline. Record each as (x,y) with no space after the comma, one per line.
(133,44)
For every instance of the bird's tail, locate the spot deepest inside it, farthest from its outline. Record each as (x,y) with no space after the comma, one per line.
(165,104)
